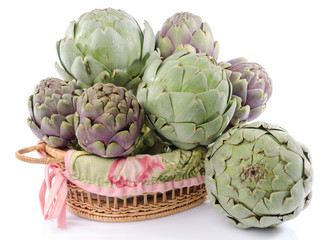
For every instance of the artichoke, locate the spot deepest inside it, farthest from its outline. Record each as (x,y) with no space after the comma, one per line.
(251,87)
(187,99)
(51,110)
(108,120)
(105,46)
(258,175)
(186,32)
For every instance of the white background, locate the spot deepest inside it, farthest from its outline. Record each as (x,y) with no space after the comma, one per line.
(289,38)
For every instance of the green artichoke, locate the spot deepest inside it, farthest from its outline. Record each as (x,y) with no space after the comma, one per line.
(251,87)
(186,32)
(105,46)
(258,175)
(187,99)
(108,120)
(51,110)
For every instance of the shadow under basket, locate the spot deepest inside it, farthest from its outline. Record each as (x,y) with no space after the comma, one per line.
(113,209)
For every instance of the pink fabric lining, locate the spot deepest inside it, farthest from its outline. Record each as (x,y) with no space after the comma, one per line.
(55,183)
(130,191)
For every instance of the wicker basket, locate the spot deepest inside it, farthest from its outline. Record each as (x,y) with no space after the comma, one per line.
(112,209)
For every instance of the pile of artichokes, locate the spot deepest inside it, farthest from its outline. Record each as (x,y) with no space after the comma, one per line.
(126,91)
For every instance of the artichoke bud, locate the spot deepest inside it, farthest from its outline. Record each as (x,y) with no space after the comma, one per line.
(186,98)
(108,120)
(186,32)
(51,110)
(251,86)
(258,175)
(105,46)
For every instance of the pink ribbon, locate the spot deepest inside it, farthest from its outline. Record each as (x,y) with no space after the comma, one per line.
(55,206)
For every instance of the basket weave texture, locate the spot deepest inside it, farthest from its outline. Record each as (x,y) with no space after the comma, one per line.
(113,209)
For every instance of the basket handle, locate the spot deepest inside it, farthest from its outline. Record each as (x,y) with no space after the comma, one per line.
(20,155)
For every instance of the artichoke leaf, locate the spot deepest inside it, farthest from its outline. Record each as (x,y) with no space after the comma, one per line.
(148,41)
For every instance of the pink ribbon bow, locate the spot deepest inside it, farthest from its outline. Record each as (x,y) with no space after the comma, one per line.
(55,206)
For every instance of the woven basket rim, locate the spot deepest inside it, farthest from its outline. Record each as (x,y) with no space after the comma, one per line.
(112,209)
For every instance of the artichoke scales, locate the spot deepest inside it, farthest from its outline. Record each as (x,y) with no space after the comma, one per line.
(186,32)
(187,98)
(258,175)
(108,120)
(105,46)
(51,110)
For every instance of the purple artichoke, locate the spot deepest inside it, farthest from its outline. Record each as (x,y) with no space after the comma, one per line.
(251,87)
(108,120)
(51,109)
(186,32)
